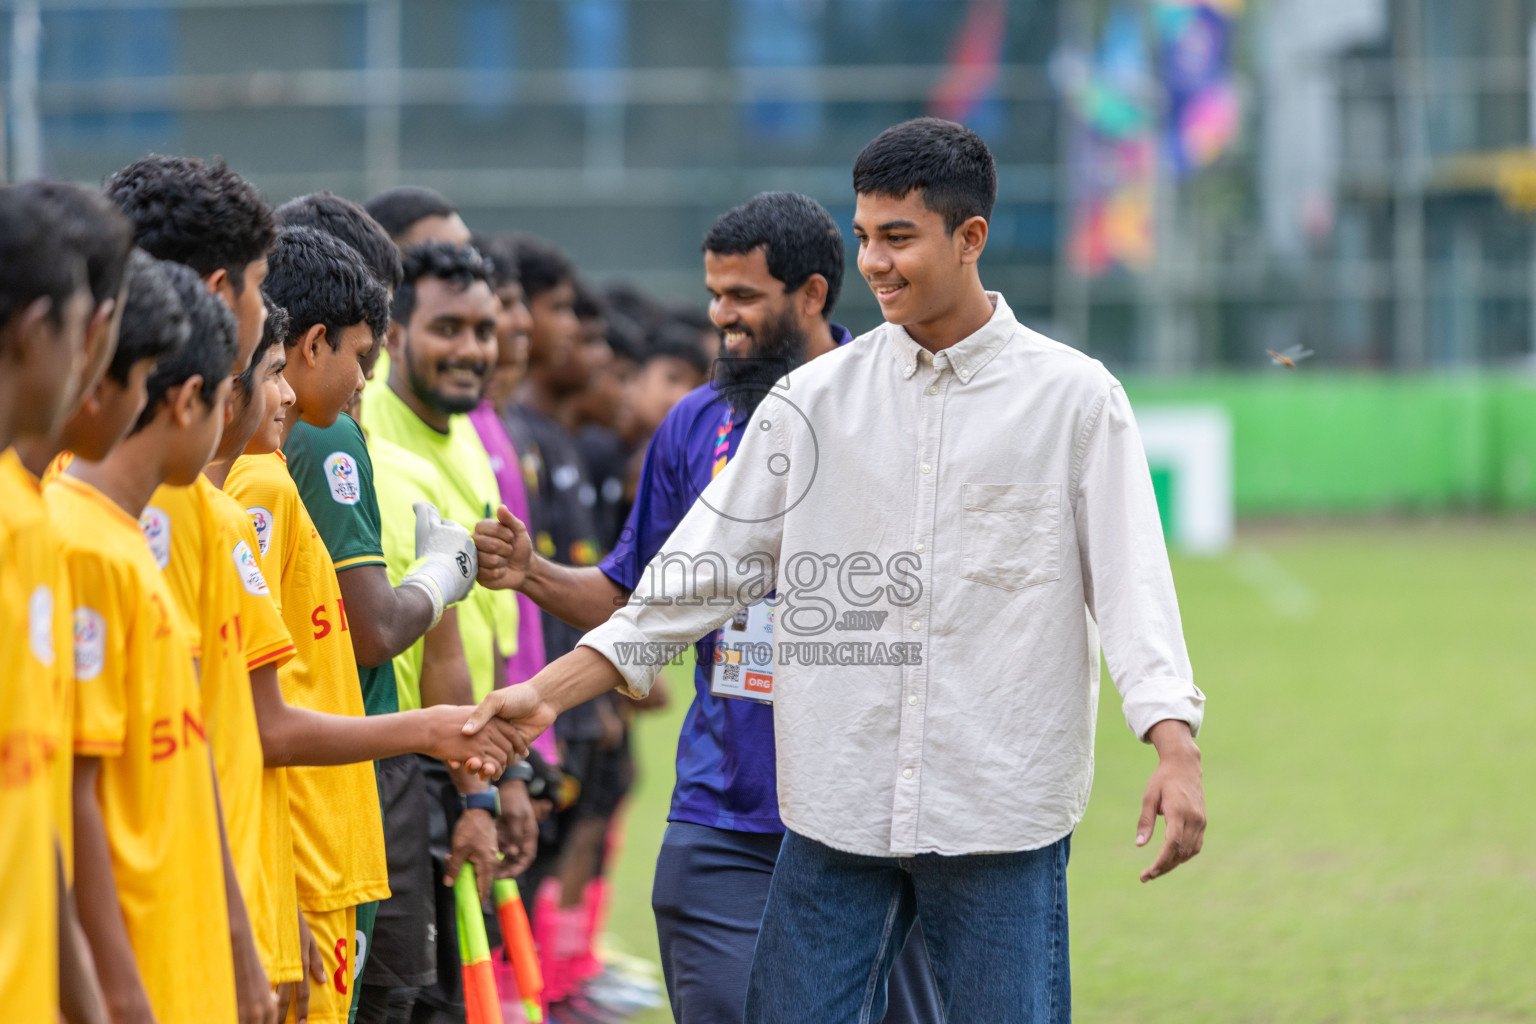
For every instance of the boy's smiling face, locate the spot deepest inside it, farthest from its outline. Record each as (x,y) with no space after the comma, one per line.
(276,397)
(904,252)
(914,265)
(326,379)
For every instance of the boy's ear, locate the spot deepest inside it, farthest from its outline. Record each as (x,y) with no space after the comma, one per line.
(394,336)
(971,238)
(183,401)
(218,283)
(813,297)
(309,344)
(90,406)
(101,317)
(27,331)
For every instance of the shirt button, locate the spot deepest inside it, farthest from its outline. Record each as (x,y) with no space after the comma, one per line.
(912,700)
(906,773)
(920,548)
(917,623)
(931,389)
(910,369)
(927,469)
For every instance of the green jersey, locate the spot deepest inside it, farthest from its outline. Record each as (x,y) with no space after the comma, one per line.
(334,474)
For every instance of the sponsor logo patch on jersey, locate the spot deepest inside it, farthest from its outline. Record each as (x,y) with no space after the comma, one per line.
(90,643)
(341,474)
(156,525)
(249,570)
(261,519)
(40,624)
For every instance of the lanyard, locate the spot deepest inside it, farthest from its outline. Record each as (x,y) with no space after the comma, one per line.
(723,441)
(736,674)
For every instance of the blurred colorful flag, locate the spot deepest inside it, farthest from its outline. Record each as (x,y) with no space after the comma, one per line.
(1112,149)
(975,60)
(1194,42)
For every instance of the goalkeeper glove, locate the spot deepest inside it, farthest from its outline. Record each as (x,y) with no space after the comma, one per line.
(446,561)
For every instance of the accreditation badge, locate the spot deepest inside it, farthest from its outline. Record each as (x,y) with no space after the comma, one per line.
(743,667)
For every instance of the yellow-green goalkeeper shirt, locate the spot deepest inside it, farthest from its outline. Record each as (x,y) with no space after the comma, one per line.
(466,493)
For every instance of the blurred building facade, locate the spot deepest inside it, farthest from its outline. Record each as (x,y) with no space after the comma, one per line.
(1372,207)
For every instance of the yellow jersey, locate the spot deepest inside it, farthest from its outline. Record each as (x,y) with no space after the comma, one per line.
(218,586)
(35,650)
(57,467)
(138,710)
(338,833)
(267,643)
(36,565)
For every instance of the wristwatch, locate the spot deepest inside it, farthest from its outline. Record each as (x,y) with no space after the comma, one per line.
(489,800)
(522,771)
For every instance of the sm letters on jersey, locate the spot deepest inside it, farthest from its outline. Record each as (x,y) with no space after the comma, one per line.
(169,737)
(322,617)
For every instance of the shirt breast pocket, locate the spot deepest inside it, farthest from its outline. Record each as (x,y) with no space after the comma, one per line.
(1011,534)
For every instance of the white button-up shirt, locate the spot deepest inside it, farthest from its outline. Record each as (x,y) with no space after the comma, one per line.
(950,536)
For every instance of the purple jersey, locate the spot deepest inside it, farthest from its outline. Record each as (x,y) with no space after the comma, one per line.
(725,769)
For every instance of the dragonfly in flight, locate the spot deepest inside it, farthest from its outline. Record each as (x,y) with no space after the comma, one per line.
(1290,357)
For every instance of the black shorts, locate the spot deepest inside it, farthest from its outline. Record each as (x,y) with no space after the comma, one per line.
(446,994)
(404,953)
(612,776)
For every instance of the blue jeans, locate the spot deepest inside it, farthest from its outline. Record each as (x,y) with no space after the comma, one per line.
(995,924)
(711,885)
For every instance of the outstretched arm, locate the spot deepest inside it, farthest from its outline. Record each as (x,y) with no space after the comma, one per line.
(583,597)
(531,707)
(383,620)
(297,736)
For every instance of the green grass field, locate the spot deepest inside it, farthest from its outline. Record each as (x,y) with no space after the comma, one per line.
(1370,760)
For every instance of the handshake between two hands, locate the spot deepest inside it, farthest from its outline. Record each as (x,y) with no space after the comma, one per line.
(500,729)
(493,735)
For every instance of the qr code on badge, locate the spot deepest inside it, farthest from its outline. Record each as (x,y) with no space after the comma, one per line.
(732,673)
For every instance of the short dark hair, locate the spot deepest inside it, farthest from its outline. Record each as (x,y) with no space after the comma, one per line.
(155,324)
(625,336)
(319,279)
(349,222)
(677,340)
(500,251)
(541,265)
(624,297)
(274,331)
(201,214)
(104,234)
(946,161)
(398,208)
(590,303)
(798,235)
(213,344)
(459,265)
(38,255)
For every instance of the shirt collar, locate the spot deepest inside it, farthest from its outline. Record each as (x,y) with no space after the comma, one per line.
(969,355)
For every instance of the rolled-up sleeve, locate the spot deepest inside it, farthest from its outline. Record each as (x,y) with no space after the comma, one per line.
(1126,578)
(711,566)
